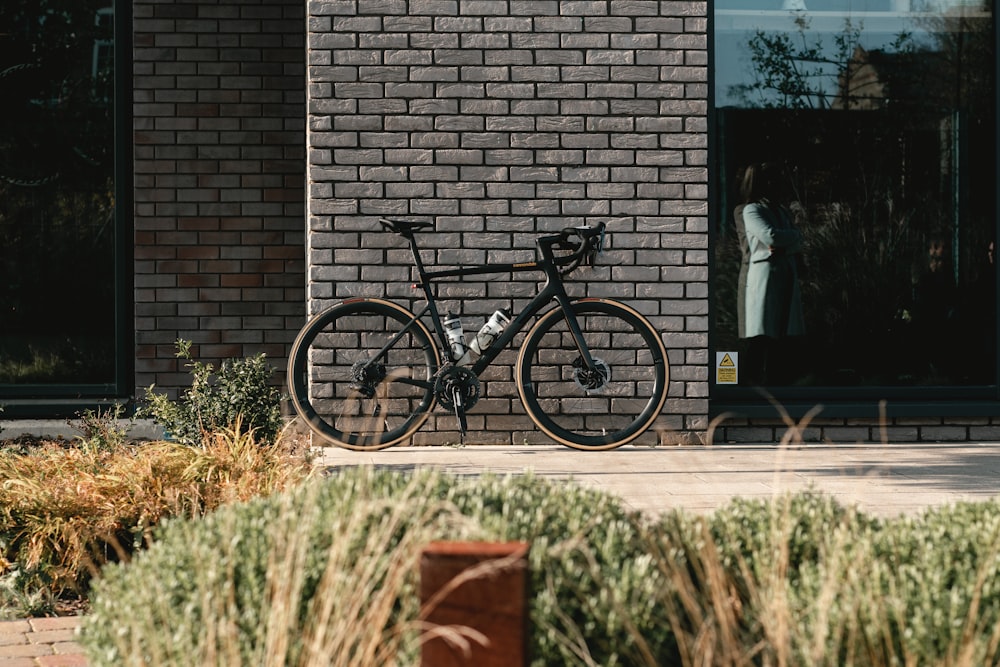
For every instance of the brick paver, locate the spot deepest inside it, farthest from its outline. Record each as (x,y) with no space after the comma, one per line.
(41,642)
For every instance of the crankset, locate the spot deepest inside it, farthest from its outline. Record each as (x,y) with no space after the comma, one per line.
(457,390)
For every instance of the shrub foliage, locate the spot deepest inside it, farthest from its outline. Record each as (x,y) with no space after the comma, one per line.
(327,575)
(333,566)
(239,392)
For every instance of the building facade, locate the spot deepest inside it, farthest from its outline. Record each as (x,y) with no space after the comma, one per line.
(268,137)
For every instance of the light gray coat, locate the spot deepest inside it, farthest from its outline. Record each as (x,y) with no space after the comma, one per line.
(770,301)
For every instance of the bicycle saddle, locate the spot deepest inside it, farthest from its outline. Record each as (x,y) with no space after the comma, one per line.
(404,227)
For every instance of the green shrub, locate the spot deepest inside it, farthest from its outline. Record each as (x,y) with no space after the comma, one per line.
(19,598)
(759,582)
(327,575)
(103,429)
(227,587)
(238,393)
(596,589)
(803,580)
(943,568)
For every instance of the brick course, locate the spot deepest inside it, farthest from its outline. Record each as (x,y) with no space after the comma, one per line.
(219,133)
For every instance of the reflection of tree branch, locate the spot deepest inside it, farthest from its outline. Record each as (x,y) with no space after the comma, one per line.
(795,67)
(789,69)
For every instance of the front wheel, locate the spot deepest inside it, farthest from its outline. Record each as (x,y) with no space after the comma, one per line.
(361,374)
(604,406)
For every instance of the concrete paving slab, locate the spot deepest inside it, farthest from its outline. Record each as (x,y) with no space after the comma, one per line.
(884,480)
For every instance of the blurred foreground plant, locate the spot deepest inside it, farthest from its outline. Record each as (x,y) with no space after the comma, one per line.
(326,575)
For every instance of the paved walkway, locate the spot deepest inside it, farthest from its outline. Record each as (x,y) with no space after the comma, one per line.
(884,480)
(41,642)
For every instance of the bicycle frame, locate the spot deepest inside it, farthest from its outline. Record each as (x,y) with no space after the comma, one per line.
(563,368)
(553,289)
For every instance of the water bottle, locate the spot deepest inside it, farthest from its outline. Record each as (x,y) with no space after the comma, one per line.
(490,331)
(456,339)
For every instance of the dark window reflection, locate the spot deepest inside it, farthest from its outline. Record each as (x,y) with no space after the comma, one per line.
(57,223)
(883,116)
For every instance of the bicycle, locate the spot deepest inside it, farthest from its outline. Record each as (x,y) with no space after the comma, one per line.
(591,373)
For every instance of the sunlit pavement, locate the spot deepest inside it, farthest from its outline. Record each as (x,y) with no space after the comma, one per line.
(883,480)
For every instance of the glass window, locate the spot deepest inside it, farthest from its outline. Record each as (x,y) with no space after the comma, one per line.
(58,225)
(857,249)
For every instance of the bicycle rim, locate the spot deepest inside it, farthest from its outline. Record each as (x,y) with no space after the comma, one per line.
(348,394)
(598,409)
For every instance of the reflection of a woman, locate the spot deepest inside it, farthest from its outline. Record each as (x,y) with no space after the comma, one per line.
(770,303)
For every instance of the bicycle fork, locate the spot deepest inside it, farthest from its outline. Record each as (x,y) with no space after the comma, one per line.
(589,371)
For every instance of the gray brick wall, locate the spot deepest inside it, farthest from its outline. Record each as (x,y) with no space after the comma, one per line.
(500,121)
(219,152)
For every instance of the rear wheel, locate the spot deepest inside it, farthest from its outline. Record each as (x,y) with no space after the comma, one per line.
(361,374)
(605,406)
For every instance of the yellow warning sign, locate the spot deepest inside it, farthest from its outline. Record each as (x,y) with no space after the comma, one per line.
(727,367)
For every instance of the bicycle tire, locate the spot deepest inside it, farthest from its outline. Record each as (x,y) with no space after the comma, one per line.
(348,405)
(631,357)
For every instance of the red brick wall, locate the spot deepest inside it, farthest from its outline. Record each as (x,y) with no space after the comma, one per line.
(219,150)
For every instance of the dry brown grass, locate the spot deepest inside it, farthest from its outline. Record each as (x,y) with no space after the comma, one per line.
(68,508)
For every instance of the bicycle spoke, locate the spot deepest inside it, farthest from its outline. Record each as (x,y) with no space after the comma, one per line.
(605,405)
(350,393)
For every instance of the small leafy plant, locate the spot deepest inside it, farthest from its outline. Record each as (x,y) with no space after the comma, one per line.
(238,394)
(103,429)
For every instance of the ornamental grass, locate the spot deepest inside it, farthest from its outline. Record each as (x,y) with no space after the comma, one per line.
(68,508)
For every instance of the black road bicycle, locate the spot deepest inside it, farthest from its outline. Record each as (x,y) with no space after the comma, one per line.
(591,373)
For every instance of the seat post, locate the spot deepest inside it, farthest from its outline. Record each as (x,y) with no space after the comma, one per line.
(412,238)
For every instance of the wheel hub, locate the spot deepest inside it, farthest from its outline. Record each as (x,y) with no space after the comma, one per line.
(365,376)
(591,379)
